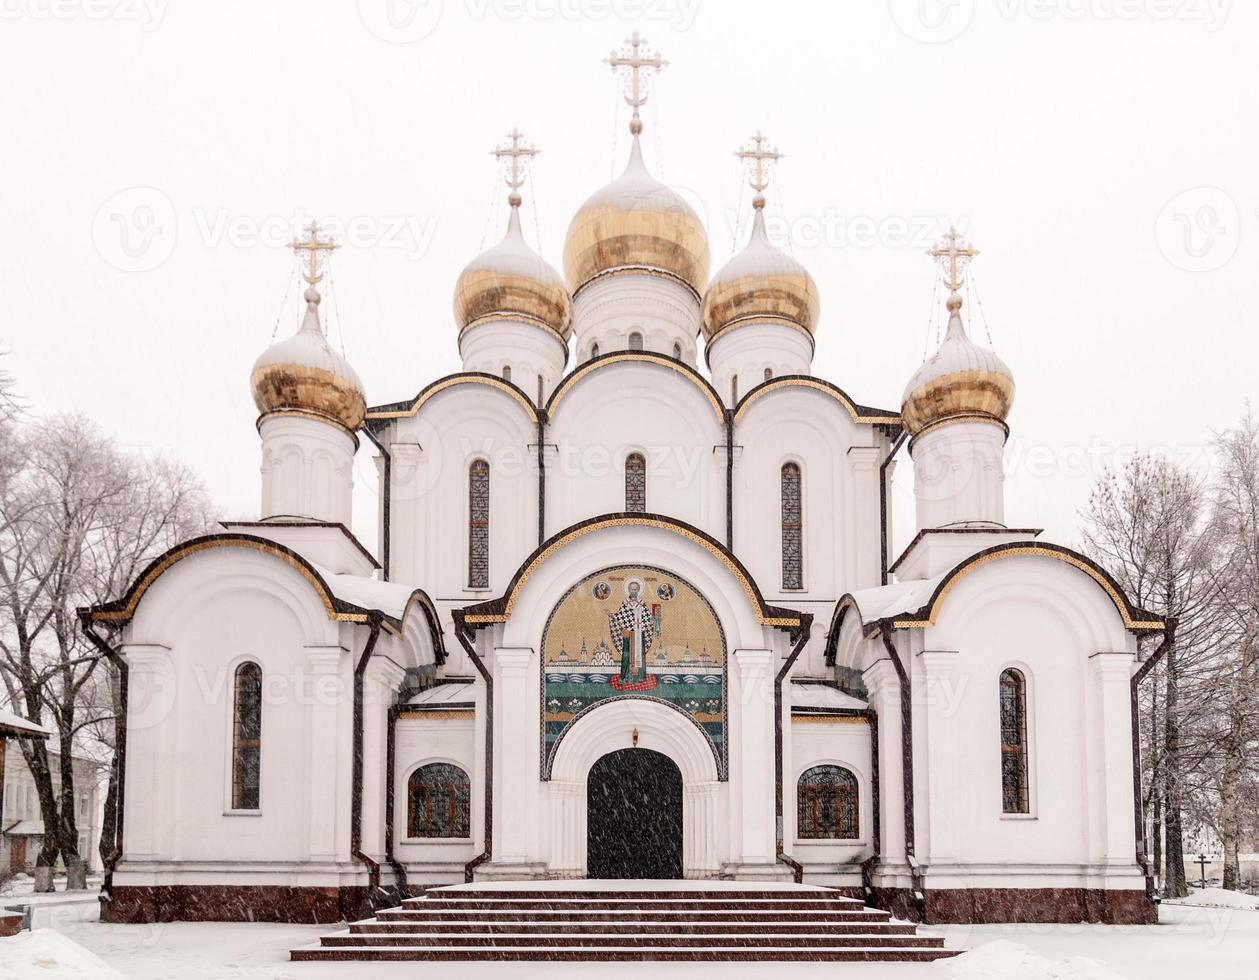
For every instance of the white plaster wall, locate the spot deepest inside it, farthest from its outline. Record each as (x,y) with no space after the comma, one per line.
(750,349)
(663,310)
(842,743)
(1050,621)
(959,475)
(419,741)
(307,469)
(636,406)
(529,350)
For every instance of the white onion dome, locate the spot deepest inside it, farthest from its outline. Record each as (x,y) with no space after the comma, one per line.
(304,374)
(636,223)
(962,380)
(513,282)
(762,284)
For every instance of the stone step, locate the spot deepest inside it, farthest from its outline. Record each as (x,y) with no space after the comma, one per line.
(654,940)
(618,953)
(658,905)
(636,927)
(629,894)
(676,916)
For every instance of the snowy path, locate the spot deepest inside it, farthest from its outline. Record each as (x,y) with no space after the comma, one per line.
(1220,944)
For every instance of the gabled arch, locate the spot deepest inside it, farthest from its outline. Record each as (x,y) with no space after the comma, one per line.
(408,409)
(499,610)
(645,357)
(861,414)
(1135,619)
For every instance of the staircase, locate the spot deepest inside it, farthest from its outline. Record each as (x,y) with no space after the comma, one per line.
(628,921)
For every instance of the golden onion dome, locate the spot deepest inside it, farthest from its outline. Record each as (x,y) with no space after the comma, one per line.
(304,374)
(636,223)
(762,284)
(962,380)
(513,282)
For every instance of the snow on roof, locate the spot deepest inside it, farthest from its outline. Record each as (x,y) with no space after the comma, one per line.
(390,598)
(15,726)
(885,601)
(25,828)
(823,695)
(445,694)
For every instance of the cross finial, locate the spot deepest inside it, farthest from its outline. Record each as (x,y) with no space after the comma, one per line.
(953,255)
(759,157)
(514,157)
(316,246)
(630,62)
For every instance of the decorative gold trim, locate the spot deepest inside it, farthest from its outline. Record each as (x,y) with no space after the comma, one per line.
(622,356)
(450,715)
(452,382)
(824,389)
(977,417)
(302,413)
(765,318)
(1031,551)
(640,270)
(829,720)
(142,586)
(499,316)
(572,536)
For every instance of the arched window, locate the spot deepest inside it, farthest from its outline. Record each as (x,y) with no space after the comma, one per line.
(635,341)
(479,525)
(541,389)
(636,483)
(1013,742)
(769,374)
(677,351)
(827,805)
(792,528)
(438,798)
(506,372)
(594,351)
(734,391)
(247,738)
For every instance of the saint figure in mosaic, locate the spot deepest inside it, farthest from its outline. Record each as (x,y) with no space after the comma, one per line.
(633,626)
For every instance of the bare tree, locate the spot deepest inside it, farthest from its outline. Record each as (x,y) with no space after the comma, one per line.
(76,517)
(1147,524)
(1235,518)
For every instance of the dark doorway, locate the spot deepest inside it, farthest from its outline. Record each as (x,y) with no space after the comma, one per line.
(634,816)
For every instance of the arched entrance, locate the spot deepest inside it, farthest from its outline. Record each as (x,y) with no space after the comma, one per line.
(634,816)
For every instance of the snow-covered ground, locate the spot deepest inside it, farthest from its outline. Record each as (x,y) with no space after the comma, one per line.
(1190,941)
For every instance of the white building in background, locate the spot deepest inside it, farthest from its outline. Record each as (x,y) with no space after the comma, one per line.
(22,830)
(631,614)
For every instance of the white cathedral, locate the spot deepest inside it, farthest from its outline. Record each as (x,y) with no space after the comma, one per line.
(632,614)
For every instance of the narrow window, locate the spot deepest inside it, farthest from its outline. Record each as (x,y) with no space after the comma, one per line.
(479,525)
(769,374)
(636,483)
(636,341)
(437,802)
(506,372)
(734,391)
(677,351)
(247,738)
(594,351)
(793,577)
(827,805)
(541,389)
(1013,742)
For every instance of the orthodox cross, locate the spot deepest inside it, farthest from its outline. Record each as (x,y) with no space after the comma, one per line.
(953,255)
(630,62)
(313,251)
(759,157)
(515,157)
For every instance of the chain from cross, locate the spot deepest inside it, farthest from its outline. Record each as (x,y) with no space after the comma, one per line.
(514,157)
(756,154)
(630,61)
(317,247)
(953,255)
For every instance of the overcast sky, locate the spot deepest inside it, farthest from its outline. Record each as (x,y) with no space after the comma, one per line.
(1101,153)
